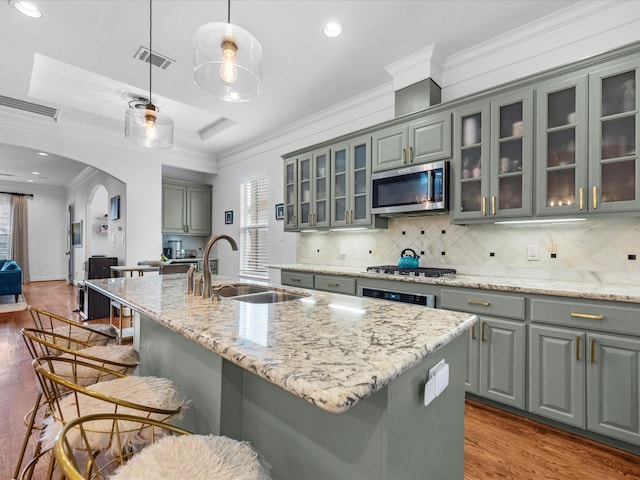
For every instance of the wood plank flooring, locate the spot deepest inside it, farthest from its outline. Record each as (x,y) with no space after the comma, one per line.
(498,445)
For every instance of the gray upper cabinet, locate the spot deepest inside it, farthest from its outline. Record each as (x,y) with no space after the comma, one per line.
(587,135)
(350,183)
(186,208)
(562,146)
(613,168)
(493,159)
(313,189)
(412,143)
(291,194)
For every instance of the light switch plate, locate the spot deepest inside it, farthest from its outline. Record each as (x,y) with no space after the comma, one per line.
(533,253)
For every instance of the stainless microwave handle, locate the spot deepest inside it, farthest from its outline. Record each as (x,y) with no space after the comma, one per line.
(431,185)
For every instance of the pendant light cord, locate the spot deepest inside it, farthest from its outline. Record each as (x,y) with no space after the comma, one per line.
(150,46)
(228,11)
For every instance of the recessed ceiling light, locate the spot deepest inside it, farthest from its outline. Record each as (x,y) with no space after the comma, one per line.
(43,154)
(36,173)
(26,8)
(332,29)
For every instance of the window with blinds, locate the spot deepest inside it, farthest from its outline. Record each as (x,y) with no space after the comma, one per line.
(5,225)
(254,228)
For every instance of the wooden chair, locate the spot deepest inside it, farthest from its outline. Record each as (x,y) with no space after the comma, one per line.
(171,453)
(149,397)
(41,343)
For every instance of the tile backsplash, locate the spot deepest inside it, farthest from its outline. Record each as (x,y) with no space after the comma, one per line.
(601,250)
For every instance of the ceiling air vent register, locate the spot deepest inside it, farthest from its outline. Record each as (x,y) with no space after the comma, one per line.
(144,55)
(30,107)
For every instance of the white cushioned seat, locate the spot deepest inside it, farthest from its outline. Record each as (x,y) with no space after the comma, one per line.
(85,335)
(195,457)
(84,376)
(146,392)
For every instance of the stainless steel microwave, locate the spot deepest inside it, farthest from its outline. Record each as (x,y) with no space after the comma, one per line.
(418,189)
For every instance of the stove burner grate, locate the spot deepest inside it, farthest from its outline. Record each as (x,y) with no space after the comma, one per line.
(416,272)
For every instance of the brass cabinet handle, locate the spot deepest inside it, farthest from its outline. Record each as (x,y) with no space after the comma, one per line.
(410,154)
(404,155)
(294,221)
(593,350)
(295,279)
(595,198)
(478,302)
(587,315)
(484,206)
(578,348)
(493,204)
(483,337)
(333,284)
(581,198)
(350,216)
(473,332)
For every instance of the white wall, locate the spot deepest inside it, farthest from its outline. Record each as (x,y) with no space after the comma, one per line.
(47,230)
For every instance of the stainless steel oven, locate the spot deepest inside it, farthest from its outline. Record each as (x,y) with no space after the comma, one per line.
(426,300)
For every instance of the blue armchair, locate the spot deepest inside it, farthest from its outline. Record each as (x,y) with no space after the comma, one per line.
(10,278)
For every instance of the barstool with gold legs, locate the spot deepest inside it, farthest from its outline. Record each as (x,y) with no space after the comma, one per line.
(97,334)
(172,453)
(149,397)
(39,343)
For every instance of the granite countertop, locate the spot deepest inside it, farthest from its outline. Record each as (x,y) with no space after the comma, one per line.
(329,349)
(587,290)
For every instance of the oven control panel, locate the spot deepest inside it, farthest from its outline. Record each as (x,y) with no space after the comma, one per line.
(403,297)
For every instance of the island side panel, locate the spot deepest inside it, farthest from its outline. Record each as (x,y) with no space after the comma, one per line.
(389,436)
(211,385)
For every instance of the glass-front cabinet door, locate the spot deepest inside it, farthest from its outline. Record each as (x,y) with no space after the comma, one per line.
(613,169)
(291,194)
(492,159)
(511,156)
(313,189)
(470,166)
(350,177)
(562,146)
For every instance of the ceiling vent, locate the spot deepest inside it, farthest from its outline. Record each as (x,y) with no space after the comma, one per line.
(144,55)
(28,107)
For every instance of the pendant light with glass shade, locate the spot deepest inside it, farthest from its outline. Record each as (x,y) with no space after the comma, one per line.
(143,123)
(227,61)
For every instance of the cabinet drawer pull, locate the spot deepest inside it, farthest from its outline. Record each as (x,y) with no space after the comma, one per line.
(410,154)
(587,315)
(595,197)
(581,198)
(493,204)
(333,284)
(578,348)
(478,302)
(593,350)
(484,206)
(295,279)
(482,333)
(404,155)
(473,332)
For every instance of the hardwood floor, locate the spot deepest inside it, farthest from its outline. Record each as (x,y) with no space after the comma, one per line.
(498,445)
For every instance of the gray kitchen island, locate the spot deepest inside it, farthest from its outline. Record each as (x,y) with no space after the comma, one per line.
(325,386)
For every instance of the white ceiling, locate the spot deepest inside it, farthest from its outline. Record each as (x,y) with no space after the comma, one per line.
(79,57)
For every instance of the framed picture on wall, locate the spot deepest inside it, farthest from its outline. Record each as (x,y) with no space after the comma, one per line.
(76,234)
(228,217)
(114,208)
(280,211)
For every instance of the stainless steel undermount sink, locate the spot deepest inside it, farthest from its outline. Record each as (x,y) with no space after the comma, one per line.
(238,289)
(268,297)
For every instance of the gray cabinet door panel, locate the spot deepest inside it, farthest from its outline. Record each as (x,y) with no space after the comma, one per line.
(389,148)
(430,139)
(557,374)
(502,361)
(613,387)
(173,208)
(199,211)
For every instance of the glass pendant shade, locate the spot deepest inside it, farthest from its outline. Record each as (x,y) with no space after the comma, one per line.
(227,62)
(146,126)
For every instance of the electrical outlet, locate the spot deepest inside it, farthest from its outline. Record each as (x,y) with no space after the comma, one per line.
(533,253)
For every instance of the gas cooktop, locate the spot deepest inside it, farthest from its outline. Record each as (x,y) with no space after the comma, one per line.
(416,272)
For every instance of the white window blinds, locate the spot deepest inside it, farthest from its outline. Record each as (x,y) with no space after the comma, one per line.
(5,225)
(254,228)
